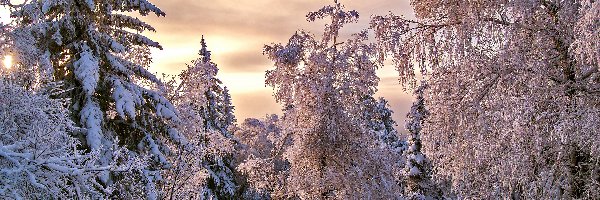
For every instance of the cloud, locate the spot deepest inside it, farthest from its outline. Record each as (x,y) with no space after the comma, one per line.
(249,18)
(254,104)
(245,61)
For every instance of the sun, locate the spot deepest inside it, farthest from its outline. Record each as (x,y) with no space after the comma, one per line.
(7,62)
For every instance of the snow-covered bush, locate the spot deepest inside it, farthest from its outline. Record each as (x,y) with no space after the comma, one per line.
(39,157)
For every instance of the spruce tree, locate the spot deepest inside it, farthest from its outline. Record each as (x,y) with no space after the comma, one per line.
(380,120)
(99,54)
(418,168)
(207,114)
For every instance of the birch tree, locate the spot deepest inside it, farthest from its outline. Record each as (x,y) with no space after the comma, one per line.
(322,82)
(514,93)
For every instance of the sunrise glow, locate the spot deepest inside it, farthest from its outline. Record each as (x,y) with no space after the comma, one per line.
(7,61)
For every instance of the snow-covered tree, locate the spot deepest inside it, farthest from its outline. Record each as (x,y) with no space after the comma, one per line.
(98,52)
(390,144)
(513,93)
(380,116)
(260,157)
(418,168)
(321,83)
(206,115)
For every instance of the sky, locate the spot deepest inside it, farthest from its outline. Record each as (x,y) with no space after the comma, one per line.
(236,31)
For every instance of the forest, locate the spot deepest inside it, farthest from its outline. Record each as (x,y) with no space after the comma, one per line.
(506,106)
